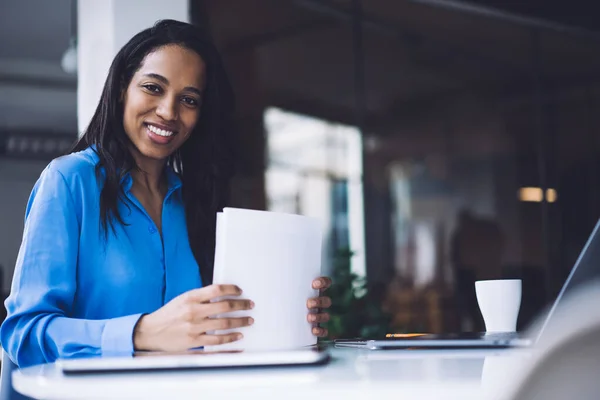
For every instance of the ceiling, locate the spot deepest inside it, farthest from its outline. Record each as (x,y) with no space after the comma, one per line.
(35,94)
(413,52)
(38,29)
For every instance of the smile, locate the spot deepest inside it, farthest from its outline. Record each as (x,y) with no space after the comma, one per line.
(158,131)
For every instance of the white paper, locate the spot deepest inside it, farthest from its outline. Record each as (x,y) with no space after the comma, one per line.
(273,258)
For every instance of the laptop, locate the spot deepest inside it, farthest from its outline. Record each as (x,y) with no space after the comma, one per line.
(585,270)
(193,360)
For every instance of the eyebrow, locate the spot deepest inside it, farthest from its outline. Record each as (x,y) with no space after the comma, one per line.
(166,82)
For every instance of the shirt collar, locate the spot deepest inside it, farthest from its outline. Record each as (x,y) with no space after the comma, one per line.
(173,180)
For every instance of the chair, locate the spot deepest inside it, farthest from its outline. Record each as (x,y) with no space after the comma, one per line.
(567,358)
(6,389)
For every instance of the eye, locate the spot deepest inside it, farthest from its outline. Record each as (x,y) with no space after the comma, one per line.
(152,88)
(190,101)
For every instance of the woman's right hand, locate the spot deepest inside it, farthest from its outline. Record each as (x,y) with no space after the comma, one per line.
(182,323)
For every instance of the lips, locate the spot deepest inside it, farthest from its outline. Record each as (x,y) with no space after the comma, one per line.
(160,130)
(160,134)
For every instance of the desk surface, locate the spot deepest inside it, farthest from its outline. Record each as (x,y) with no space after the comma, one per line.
(351,374)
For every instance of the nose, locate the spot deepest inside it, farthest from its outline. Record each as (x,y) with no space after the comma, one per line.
(167,109)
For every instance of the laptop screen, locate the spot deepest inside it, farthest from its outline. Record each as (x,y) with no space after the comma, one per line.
(585,270)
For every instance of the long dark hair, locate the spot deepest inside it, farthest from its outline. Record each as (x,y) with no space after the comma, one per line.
(204,162)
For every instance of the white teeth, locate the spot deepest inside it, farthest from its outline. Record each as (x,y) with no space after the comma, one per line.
(158,131)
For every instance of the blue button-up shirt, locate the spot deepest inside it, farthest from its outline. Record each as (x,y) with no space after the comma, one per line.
(78,293)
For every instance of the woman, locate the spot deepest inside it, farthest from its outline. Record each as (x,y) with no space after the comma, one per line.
(119,235)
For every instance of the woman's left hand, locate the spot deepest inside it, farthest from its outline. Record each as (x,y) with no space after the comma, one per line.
(316,306)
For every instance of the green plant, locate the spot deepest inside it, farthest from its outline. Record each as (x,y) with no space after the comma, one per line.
(356,309)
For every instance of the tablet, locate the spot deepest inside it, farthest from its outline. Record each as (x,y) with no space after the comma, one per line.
(192,360)
(438,341)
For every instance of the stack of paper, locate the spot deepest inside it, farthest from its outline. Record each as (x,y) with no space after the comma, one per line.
(273,258)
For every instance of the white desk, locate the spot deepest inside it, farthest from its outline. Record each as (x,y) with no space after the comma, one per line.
(351,374)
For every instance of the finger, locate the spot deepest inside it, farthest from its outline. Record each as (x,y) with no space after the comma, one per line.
(224,323)
(212,340)
(225,306)
(322,283)
(208,293)
(320,332)
(319,302)
(318,318)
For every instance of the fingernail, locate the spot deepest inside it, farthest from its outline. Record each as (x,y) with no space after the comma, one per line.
(318,284)
(251,304)
(239,336)
(250,321)
(312,318)
(313,304)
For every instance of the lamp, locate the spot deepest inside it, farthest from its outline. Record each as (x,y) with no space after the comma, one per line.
(69,58)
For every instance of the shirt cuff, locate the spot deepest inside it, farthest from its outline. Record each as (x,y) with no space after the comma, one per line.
(117,336)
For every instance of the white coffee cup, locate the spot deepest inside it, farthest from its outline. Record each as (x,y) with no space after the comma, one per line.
(499,302)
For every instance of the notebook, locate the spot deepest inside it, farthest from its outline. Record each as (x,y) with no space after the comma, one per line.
(273,257)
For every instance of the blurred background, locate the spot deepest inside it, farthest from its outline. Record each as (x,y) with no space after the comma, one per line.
(440,142)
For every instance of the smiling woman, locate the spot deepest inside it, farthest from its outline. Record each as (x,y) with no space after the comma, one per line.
(117,251)
(161,109)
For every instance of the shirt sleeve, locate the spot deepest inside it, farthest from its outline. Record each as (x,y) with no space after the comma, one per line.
(38,328)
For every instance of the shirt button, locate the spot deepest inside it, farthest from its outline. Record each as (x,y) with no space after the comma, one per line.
(151,229)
